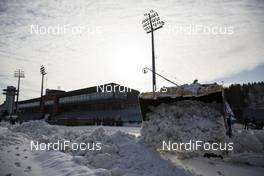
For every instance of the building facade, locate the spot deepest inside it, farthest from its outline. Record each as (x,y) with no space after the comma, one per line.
(108,104)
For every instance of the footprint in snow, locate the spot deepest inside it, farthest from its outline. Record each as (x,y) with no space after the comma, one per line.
(25,157)
(220,173)
(25,150)
(28,169)
(17,164)
(17,148)
(8,174)
(212,163)
(17,154)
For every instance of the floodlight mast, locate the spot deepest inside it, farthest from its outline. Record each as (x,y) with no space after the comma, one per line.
(150,24)
(153,57)
(43,73)
(18,74)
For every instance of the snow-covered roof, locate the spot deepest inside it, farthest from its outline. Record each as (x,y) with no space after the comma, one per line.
(186,90)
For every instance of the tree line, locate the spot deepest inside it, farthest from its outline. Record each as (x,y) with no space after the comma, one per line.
(250,95)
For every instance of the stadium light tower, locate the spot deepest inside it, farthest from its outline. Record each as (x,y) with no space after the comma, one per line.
(151,23)
(43,73)
(18,74)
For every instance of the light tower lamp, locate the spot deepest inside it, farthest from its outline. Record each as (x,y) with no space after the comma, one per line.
(18,74)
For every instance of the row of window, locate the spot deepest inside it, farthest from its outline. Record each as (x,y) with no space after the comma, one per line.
(49,102)
(79,98)
(91,96)
(26,105)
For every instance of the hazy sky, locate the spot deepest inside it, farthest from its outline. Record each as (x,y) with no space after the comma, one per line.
(113,47)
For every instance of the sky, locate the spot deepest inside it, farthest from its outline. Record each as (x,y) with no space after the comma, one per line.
(103,41)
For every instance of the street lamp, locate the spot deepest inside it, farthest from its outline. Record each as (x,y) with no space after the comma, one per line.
(43,72)
(151,23)
(18,74)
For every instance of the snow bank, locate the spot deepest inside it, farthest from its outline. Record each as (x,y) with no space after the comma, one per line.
(65,164)
(181,122)
(121,154)
(38,130)
(7,138)
(5,124)
(248,141)
(248,158)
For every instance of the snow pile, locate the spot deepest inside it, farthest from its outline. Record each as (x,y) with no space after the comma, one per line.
(194,88)
(65,164)
(248,147)
(123,154)
(248,141)
(38,130)
(248,158)
(181,122)
(5,124)
(7,138)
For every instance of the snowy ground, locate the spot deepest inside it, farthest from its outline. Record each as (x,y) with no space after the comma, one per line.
(217,167)
(122,154)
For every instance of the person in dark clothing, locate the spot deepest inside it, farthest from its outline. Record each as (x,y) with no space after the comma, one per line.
(12,121)
(246,123)
(229,126)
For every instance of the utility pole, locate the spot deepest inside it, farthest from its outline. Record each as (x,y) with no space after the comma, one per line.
(18,74)
(43,73)
(151,23)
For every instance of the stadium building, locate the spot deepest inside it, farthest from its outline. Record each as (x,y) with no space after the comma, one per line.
(108,104)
